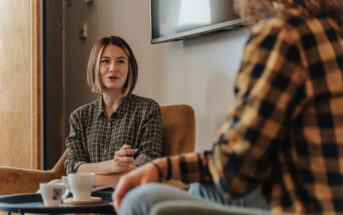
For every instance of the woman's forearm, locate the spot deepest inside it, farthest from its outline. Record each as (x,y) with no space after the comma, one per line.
(101,168)
(102,180)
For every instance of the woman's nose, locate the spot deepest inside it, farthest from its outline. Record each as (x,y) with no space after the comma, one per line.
(112,67)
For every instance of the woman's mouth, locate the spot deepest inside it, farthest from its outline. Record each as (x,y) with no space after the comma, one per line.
(113,78)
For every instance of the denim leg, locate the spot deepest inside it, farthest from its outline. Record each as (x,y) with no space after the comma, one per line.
(140,200)
(210,192)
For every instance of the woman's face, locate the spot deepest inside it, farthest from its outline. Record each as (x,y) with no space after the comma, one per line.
(113,68)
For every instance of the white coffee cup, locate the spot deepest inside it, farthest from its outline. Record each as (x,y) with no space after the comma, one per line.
(52,193)
(81,185)
(63,181)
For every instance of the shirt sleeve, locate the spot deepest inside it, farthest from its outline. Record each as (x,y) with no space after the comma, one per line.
(194,167)
(150,144)
(270,88)
(77,152)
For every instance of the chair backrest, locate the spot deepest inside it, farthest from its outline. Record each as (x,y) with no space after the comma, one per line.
(178,125)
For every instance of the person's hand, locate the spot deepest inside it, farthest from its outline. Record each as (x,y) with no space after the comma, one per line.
(142,175)
(122,159)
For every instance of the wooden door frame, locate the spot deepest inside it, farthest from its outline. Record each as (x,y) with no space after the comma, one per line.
(35,39)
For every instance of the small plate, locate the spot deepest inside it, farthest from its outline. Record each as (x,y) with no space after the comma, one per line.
(91,200)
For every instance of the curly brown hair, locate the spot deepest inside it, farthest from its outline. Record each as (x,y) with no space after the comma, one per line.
(254,10)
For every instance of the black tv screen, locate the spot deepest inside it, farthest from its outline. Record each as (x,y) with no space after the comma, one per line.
(181,19)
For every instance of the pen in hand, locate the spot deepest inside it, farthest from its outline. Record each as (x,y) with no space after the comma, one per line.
(132,154)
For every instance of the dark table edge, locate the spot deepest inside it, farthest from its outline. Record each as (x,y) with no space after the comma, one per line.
(86,208)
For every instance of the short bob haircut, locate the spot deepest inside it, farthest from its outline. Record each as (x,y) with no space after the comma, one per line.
(93,73)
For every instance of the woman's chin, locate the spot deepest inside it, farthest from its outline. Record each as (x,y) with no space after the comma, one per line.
(116,89)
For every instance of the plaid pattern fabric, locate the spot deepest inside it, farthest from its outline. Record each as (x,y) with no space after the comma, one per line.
(93,138)
(285,130)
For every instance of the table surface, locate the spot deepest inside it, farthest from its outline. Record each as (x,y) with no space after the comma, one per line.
(33,203)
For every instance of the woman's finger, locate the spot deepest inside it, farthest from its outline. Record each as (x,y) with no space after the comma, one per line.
(125,152)
(125,146)
(124,159)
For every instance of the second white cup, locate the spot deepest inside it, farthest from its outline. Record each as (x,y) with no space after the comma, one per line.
(81,185)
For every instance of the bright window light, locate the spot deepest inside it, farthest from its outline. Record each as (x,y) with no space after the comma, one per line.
(194,12)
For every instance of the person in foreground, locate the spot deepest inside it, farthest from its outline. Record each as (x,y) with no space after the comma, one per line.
(285,130)
(120,130)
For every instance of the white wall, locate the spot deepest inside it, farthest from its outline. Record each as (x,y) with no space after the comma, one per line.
(199,72)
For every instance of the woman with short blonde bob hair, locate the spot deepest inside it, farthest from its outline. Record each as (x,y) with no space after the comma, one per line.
(94,62)
(119,131)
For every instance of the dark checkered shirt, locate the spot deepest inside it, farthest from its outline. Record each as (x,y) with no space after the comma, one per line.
(285,130)
(93,138)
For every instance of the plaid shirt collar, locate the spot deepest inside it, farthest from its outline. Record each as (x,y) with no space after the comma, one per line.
(298,12)
(120,111)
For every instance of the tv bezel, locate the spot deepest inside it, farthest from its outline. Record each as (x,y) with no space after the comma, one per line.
(223,26)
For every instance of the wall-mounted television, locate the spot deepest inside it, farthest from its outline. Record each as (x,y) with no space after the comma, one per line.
(181,19)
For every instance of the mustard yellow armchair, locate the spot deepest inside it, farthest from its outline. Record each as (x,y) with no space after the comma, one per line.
(178,124)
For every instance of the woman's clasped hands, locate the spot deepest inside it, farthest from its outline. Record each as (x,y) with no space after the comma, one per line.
(122,159)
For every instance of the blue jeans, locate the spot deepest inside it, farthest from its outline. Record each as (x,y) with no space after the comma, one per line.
(140,200)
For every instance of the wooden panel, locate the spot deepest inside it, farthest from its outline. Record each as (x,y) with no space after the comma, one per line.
(19,83)
(36,83)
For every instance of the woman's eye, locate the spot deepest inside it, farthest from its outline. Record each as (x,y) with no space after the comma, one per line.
(121,61)
(104,61)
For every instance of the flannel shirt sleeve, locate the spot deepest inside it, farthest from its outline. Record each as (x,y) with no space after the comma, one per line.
(150,144)
(194,167)
(77,152)
(269,88)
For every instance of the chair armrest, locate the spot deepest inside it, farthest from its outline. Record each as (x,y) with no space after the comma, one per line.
(19,180)
(186,207)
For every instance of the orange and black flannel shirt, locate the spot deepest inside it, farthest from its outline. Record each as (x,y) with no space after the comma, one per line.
(285,130)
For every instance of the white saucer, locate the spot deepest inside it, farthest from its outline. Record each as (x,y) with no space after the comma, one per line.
(91,200)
